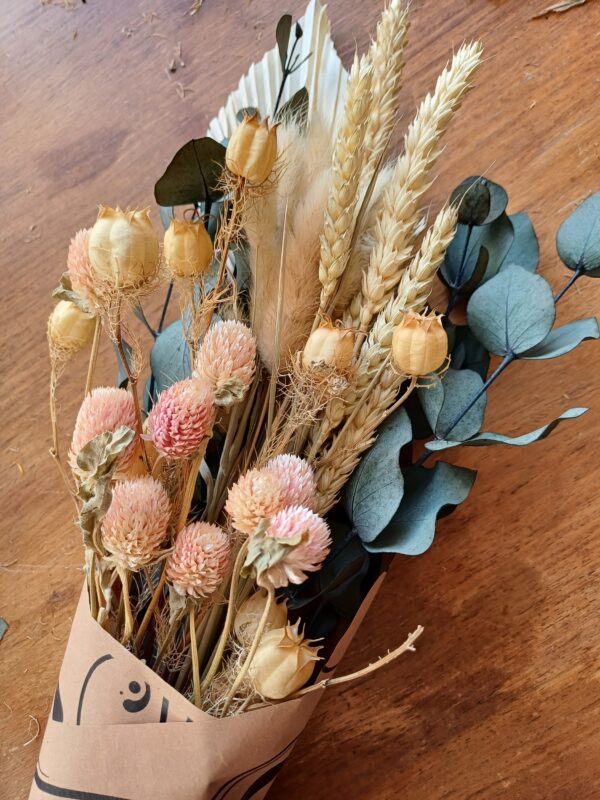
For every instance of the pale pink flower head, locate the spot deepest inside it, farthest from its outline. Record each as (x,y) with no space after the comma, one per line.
(257,496)
(296,542)
(199,561)
(297,478)
(136,524)
(182,418)
(226,359)
(78,266)
(104,409)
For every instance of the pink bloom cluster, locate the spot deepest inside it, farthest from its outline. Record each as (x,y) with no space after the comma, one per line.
(78,267)
(226,360)
(104,409)
(182,418)
(199,561)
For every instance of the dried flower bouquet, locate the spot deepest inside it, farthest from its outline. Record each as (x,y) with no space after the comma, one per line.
(238,508)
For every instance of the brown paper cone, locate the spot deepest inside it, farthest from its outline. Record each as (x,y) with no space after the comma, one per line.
(119,732)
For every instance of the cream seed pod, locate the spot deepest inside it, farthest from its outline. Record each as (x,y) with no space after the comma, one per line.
(329,345)
(252,150)
(283,663)
(250,613)
(419,344)
(123,248)
(69,328)
(187,249)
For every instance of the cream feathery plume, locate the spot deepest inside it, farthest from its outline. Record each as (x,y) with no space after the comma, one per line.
(343,199)
(399,217)
(386,55)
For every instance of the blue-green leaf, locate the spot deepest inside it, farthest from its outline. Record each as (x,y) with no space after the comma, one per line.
(170,357)
(480,201)
(564,339)
(427,493)
(483,439)
(375,489)
(490,242)
(444,400)
(512,312)
(468,352)
(524,250)
(578,238)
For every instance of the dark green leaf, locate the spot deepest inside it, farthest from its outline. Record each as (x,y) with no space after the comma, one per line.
(496,238)
(295,109)
(282,35)
(170,357)
(445,400)
(512,312)
(428,493)
(194,174)
(374,491)
(468,352)
(564,339)
(481,201)
(578,238)
(483,439)
(524,250)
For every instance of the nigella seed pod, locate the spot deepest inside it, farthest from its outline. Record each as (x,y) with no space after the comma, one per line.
(252,150)
(419,344)
(187,249)
(329,346)
(283,663)
(69,328)
(123,248)
(250,613)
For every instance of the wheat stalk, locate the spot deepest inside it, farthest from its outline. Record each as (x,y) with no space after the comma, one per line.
(348,157)
(399,217)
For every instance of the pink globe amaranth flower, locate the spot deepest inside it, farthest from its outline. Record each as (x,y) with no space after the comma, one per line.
(78,266)
(182,418)
(136,524)
(312,533)
(104,409)
(297,477)
(226,360)
(257,495)
(199,561)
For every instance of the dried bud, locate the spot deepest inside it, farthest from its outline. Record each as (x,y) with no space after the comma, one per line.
(250,613)
(283,663)
(252,150)
(187,249)
(123,248)
(69,328)
(329,345)
(419,344)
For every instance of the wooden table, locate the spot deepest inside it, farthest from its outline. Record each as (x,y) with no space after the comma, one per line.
(501,699)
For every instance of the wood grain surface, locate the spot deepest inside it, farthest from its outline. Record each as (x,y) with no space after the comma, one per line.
(501,699)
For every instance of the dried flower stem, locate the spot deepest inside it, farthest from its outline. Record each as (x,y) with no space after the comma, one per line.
(150,610)
(128,629)
(277,349)
(93,355)
(195,662)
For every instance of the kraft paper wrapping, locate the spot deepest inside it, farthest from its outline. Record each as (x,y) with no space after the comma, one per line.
(117,731)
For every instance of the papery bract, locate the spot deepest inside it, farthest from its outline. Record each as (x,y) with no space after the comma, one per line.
(252,150)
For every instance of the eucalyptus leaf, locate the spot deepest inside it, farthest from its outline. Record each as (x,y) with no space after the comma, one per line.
(249,111)
(484,439)
(578,238)
(496,238)
(468,352)
(481,201)
(444,401)
(295,109)
(166,215)
(564,339)
(512,312)
(170,357)
(524,250)
(282,35)
(428,493)
(3,627)
(375,488)
(194,174)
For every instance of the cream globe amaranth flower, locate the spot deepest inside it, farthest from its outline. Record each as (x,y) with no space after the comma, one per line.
(256,496)
(226,360)
(135,526)
(182,418)
(199,561)
(104,409)
(295,542)
(297,479)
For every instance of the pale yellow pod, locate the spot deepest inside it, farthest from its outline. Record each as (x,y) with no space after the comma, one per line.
(70,328)
(187,248)
(123,248)
(419,344)
(283,663)
(329,345)
(252,150)
(250,613)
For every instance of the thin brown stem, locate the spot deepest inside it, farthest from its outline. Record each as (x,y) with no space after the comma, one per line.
(128,629)
(150,610)
(195,661)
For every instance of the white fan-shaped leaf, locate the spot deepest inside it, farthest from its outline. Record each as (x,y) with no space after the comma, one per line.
(323,75)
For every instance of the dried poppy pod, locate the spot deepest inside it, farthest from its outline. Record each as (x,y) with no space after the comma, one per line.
(69,328)
(252,150)
(187,249)
(283,663)
(250,613)
(329,345)
(123,248)
(419,344)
